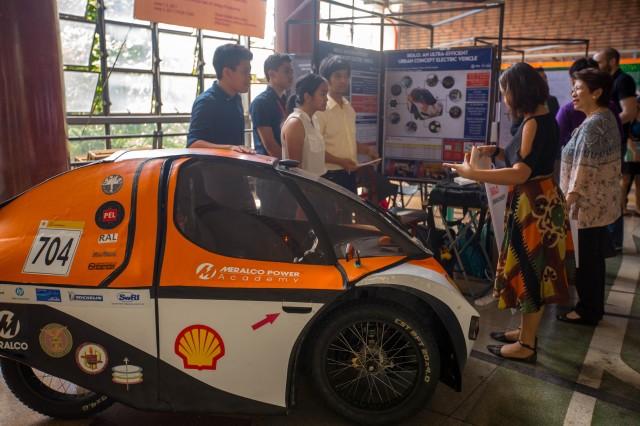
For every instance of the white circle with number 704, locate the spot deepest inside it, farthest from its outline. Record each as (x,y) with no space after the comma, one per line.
(53,248)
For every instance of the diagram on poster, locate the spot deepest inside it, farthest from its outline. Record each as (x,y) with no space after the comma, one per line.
(436,107)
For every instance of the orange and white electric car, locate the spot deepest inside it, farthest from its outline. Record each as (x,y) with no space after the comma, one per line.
(200,280)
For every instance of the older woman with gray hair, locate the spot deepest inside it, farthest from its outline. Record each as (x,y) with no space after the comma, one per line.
(589,178)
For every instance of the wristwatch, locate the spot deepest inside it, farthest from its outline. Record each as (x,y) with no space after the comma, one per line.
(496,152)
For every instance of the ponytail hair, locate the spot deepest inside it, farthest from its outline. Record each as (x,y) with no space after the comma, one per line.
(307,84)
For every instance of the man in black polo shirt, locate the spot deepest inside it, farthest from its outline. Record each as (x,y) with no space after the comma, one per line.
(268,109)
(624,95)
(217,116)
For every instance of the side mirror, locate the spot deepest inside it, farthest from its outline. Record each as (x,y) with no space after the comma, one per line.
(350,252)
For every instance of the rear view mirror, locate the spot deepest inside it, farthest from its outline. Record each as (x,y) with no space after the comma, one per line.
(350,252)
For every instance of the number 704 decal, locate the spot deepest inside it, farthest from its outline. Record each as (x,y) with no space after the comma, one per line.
(53,248)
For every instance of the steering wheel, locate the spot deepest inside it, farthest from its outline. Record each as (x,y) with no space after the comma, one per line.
(312,254)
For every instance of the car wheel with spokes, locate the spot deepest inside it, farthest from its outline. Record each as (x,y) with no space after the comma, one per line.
(51,395)
(375,363)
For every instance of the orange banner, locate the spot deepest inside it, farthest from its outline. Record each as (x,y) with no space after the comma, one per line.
(246,17)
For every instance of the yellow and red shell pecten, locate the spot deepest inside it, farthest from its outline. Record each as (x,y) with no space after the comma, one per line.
(200,347)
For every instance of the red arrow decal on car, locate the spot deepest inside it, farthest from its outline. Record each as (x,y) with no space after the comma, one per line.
(268,319)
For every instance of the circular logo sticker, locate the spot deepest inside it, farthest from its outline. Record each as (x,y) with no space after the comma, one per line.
(112,184)
(91,358)
(55,340)
(109,215)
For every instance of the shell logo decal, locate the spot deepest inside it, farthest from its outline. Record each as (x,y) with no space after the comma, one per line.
(200,347)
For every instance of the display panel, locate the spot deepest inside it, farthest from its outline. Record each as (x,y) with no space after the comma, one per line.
(436,107)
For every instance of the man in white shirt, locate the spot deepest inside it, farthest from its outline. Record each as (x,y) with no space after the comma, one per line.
(338,125)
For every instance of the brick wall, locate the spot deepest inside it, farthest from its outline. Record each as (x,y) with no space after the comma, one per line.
(605,23)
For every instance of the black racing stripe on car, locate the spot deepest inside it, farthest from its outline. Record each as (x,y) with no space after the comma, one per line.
(164,387)
(131,230)
(257,294)
(161,230)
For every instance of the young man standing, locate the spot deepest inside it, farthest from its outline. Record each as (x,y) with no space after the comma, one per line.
(624,95)
(269,109)
(217,116)
(338,125)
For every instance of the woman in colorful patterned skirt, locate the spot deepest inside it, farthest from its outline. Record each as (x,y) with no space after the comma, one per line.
(589,177)
(536,258)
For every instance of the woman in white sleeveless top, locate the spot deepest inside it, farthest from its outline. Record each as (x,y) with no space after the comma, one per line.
(301,140)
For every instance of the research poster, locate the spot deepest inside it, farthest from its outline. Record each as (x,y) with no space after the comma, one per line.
(436,107)
(364,87)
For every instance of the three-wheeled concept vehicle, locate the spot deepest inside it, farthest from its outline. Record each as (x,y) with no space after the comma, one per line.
(200,280)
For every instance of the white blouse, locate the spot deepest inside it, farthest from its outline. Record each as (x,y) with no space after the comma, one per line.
(313,148)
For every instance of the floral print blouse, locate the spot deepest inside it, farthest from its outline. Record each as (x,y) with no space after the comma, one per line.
(591,168)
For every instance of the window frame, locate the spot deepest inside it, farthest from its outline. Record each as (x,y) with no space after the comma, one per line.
(314,221)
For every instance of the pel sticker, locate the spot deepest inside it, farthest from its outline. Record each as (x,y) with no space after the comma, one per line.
(109,215)
(53,248)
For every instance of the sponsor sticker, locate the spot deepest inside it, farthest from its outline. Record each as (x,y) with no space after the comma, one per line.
(48,295)
(98,266)
(91,358)
(108,238)
(126,374)
(75,297)
(20,293)
(103,253)
(207,271)
(9,325)
(200,347)
(112,184)
(109,215)
(55,340)
(53,248)
(128,298)
(9,329)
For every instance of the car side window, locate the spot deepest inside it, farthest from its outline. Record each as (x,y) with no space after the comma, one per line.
(348,221)
(243,211)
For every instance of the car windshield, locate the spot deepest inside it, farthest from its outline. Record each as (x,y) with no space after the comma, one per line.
(347,219)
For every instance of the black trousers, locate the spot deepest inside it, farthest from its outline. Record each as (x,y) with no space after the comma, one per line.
(592,243)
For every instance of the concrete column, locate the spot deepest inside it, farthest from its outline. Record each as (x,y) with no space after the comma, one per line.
(32,116)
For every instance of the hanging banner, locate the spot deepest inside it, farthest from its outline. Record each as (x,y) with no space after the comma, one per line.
(436,108)
(245,17)
(364,87)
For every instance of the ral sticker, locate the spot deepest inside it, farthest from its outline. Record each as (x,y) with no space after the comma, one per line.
(112,184)
(54,248)
(109,215)
(55,340)
(108,238)
(91,358)
(200,347)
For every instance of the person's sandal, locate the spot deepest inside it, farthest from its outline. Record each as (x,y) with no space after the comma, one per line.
(501,336)
(531,359)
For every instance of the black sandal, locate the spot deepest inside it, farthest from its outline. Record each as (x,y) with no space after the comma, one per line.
(531,359)
(580,321)
(500,336)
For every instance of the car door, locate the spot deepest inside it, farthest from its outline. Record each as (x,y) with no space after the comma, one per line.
(242,274)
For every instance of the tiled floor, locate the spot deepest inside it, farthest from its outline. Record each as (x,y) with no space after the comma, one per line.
(583,375)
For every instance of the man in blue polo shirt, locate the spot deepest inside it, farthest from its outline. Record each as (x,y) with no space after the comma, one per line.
(217,116)
(268,109)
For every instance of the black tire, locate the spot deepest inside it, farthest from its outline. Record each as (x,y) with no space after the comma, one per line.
(404,369)
(31,390)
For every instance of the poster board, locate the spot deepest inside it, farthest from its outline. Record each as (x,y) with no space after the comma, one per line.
(436,107)
(245,17)
(364,87)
